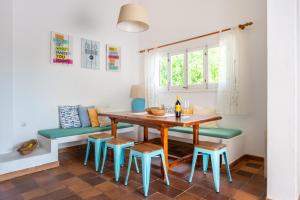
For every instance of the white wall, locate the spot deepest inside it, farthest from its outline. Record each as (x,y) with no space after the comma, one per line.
(6,74)
(283,99)
(39,87)
(175,20)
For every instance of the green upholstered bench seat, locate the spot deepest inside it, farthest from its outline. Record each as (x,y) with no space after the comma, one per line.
(59,132)
(210,132)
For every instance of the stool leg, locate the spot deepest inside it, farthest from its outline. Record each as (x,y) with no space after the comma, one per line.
(136,165)
(215,160)
(195,155)
(146,173)
(97,154)
(122,157)
(205,158)
(225,154)
(104,157)
(164,166)
(117,164)
(88,147)
(128,168)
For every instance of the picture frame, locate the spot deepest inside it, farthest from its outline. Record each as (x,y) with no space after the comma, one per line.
(90,54)
(113,58)
(61,49)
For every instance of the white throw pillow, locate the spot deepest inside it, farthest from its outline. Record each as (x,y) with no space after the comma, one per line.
(206,111)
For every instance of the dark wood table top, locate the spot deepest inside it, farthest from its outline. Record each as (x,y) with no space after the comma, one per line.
(185,120)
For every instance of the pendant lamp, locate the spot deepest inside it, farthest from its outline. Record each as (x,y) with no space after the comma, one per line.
(133,18)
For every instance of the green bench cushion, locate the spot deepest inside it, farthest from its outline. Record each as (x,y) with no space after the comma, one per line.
(210,132)
(60,132)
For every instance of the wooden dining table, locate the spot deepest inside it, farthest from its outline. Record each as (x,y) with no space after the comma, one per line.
(162,124)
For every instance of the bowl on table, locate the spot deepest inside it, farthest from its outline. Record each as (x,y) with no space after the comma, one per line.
(156,111)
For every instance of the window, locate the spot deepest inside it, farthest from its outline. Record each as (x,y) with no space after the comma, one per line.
(177,70)
(196,67)
(190,68)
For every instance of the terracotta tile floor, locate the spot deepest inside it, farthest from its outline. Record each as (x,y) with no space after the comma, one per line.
(71,181)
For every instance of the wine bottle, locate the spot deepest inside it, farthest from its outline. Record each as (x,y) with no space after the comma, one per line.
(177,107)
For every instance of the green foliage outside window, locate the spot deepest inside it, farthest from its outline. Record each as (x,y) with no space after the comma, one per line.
(177,64)
(195,64)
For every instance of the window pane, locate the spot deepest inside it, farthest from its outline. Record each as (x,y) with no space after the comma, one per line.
(195,64)
(177,63)
(213,64)
(163,71)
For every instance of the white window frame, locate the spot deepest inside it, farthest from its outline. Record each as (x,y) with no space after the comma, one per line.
(205,86)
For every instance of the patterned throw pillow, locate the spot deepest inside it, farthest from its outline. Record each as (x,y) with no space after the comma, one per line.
(93,114)
(69,117)
(104,121)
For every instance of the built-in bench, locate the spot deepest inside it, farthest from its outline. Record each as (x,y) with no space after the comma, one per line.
(46,155)
(233,138)
(58,137)
(223,133)
(59,132)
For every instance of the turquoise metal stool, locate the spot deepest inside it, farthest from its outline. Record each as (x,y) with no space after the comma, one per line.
(118,145)
(146,151)
(98,140)
(213,150)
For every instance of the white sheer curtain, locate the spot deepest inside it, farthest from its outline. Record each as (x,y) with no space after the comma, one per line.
(233,87)
(151,67)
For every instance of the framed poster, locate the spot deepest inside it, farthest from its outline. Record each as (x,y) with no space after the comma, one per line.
(113,58)
(90,56)
(61,48)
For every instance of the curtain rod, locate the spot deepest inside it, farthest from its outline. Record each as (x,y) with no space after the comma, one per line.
(241,26)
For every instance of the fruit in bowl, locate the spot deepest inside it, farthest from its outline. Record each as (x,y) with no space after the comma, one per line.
(156,111)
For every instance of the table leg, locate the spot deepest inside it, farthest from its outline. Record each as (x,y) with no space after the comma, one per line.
(196,139)
(146,133)
(164,143)
(196,134)
(114,124)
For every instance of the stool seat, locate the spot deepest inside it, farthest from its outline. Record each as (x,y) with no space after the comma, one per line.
(210,145)
(98,140)
(146,151)
(146,148)
(119,141)
(100,136)
(215,151)
(118,145)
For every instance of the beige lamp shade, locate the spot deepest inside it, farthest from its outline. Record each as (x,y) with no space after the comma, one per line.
(137,91)
(133,18)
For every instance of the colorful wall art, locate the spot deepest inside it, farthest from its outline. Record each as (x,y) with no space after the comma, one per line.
(90,57)
(113,58)
(61,48)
